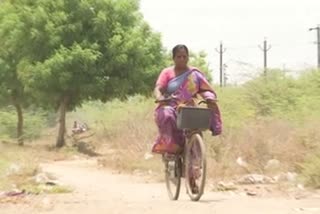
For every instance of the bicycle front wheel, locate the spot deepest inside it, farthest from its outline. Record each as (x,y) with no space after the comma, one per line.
(195,167)
(173,177)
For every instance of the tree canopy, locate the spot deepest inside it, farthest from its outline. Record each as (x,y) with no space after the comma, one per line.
(65,52)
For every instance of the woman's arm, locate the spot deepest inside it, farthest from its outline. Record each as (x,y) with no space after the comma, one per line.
(157,92)
(161,84)
(206,92)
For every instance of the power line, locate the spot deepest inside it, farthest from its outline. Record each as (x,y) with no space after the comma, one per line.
(242,47)
(296,44)
(292,44)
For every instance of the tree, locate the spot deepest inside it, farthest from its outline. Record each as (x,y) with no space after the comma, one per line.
(199,60)
(11,88)
(75,51)
(12,93)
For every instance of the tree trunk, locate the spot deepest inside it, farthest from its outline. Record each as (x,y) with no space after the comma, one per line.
(62,122)
(20,123)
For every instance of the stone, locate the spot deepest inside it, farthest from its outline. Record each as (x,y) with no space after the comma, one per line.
(255,179)
(222,186)
(242,162)
(272,165)
(148,156)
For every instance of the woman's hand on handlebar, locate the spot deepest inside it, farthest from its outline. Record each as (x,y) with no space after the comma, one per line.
(163,99)
(211,104)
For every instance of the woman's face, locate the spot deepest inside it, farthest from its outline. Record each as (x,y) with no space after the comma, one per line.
(181,58)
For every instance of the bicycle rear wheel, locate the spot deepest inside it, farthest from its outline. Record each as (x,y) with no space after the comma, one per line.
(173,177)
(195,167)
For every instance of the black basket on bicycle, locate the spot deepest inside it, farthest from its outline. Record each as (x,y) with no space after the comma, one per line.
(190,117)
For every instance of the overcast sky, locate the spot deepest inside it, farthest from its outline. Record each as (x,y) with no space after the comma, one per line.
(242,25)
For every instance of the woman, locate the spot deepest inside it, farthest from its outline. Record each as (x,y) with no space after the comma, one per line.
(184,83)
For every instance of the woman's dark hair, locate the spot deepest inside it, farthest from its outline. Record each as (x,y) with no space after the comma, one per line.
(178,47)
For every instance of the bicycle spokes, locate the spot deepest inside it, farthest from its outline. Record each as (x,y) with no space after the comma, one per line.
(196,167)
(173,177)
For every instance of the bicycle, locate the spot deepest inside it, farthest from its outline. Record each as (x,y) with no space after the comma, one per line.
(192,120)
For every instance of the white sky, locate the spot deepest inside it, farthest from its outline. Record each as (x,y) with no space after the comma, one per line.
(242,25)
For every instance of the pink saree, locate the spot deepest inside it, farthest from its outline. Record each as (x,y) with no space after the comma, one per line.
(185,88)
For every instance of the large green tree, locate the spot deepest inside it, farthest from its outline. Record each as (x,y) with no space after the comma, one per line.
(11,88)
(77,50)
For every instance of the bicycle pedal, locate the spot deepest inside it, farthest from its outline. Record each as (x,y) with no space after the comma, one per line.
(169,157)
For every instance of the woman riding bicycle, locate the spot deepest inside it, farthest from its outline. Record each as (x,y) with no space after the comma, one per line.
(182,83)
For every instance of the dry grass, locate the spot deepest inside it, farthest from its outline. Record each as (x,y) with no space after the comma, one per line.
(259,142)
(19,164)
(125,148)
(256,143)
(124,144)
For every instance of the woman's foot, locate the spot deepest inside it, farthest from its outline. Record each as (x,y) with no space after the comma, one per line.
(162,148)
(194,186)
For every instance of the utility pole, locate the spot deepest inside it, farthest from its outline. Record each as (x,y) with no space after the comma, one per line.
(318,42)
(221,51)
(265,50)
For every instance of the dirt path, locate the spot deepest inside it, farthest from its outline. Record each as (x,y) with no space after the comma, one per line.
(101,191)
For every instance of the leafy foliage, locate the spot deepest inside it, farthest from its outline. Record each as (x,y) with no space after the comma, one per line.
(67,51)
(94,49)
(200,61)
(278,95)
(35,123)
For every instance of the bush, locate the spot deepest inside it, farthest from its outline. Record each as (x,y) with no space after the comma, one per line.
(34,123)
(274,95)
(110,117)
(280,96)
(235,108)
(311,170)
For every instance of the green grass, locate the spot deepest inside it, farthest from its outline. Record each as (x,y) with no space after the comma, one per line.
(45,189)
(110,116)
(4,165)
(310,173)
(35,121)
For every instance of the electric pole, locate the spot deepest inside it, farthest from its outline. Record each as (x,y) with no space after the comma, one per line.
(318,42)
(265,50)
(221,51)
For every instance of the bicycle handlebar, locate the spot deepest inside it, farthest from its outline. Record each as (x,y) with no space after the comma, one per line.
(206,101)
(167,99)
(164,100)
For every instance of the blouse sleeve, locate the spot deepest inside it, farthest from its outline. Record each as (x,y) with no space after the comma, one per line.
(163,79)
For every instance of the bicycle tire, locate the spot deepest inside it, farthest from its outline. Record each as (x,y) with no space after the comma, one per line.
(195,139)
(173,189)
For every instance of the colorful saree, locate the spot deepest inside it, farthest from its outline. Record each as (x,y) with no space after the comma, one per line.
(185,88)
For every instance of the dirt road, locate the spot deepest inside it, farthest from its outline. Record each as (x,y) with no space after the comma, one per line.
(101,191)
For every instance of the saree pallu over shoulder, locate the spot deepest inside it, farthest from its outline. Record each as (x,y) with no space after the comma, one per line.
(196,83)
